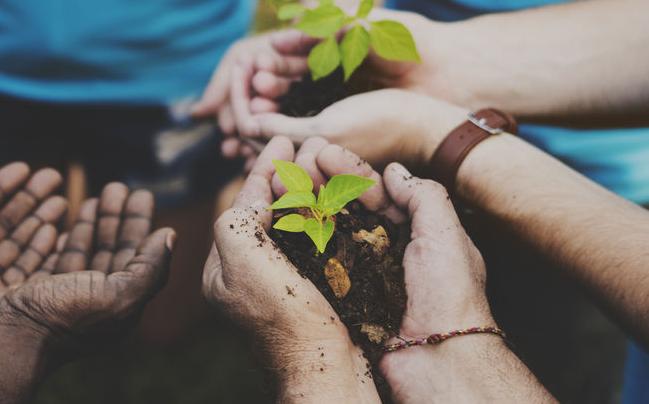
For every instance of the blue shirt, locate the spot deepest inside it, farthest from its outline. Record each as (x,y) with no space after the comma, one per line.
(616,158)
(126,51)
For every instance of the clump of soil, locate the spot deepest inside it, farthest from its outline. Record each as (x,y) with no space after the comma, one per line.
(307,98)
(368,249)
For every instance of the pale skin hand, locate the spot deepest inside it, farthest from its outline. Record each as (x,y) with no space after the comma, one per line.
(83,294)
(445,282)
(544,63)
(380,126)
(246,275)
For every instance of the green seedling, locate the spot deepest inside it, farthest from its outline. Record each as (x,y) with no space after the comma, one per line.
(331,199)
(389,39)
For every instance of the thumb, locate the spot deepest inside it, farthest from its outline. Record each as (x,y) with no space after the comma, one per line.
(147,272)
(296,129)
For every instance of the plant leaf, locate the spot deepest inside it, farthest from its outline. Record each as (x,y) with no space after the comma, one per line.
(320,205)
(322,22)
(319,233)
(393,41)
(365,8)
(354,48)
(324,58)
(342,189)
(290,11)
(293,223)
(294,177)
(294,200)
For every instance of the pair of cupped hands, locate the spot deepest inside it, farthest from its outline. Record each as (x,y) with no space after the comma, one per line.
(63,295)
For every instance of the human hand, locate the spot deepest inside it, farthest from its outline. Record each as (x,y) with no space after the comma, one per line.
(250,279)
(445,284)
(230,95)
(87,293)
(380,126)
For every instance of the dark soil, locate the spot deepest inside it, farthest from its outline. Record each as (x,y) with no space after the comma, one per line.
(308,98)
(377,295)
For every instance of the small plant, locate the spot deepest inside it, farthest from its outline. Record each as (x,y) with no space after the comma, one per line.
(390,40)
(319,224)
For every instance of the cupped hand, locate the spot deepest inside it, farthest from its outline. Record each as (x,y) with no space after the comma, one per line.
(380,126)
(444,272)
(91,288)
(250,279)
(231,96)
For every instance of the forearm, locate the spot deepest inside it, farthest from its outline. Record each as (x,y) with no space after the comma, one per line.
(23,365)
(598,237)
(555,62)
(470,369)
(321,372)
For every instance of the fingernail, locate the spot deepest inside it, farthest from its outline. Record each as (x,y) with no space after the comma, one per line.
(171,241)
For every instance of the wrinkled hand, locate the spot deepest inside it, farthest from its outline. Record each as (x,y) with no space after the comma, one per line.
(248,277)
(243,72)
(86,293)
(380,126)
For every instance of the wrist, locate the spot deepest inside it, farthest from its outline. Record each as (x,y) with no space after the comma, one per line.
(437,120)
(323,371)
(23,345)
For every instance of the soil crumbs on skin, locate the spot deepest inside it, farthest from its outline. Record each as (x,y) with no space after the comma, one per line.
(377,295)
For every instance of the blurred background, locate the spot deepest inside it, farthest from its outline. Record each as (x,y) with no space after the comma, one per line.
(186,353)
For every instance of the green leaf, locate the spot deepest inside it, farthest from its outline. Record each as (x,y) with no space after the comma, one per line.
(393,41)
(322,22)
(319,233)
(294,177)
(365,8)
(320,205)
(324,58)
(354,48)
(293,223)
(343,189)
(294,200)
(290,11)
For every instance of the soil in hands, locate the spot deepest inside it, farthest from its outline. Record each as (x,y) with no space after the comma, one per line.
(370,249)
(307,98)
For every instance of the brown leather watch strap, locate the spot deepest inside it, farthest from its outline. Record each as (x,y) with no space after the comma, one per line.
(450,154)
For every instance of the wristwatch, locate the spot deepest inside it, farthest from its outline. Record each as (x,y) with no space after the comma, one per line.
(450,154)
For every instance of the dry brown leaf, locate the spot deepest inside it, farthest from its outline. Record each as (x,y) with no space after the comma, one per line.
(337,277)
(375,333)
(377,238)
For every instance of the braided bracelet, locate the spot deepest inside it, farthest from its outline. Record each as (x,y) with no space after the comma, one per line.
(437,339)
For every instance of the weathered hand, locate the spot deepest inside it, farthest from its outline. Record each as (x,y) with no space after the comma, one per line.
(248,277)
(87,293)
(380,126)
(26,209)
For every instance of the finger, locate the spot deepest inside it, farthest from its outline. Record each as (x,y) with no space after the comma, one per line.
(240,99)
(250,163)
(216,92)
(246,151)
(292,42)
(39,248)
(109,219)
(256,191)
(306,158)
(296,129)
(427,202)
(260,105)
(49,265)
(146,273)
(41,185)
(282,65)
(230,147)
(12,176)
(226,120)
(269,85)
(49,212)
(74,256)
(335,160)
(135,227)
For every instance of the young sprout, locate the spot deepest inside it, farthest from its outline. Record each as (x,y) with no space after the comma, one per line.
(391,40)
(331,199)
